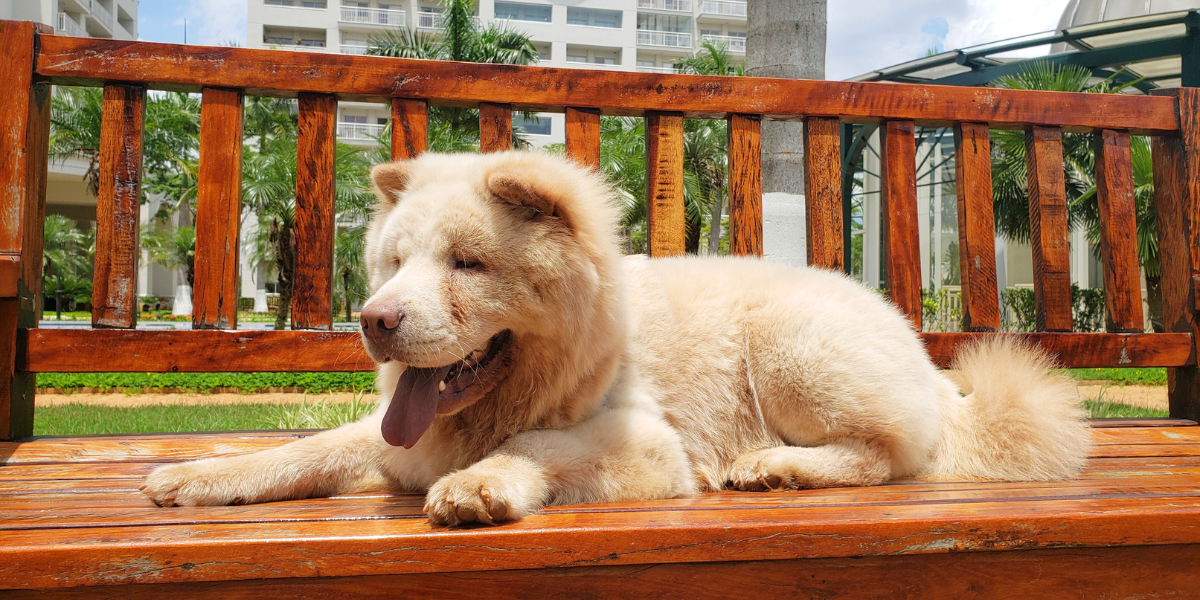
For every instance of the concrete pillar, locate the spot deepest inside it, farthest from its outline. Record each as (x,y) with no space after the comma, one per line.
(786,38)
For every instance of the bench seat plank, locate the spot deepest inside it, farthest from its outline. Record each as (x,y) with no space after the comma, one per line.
(71,515)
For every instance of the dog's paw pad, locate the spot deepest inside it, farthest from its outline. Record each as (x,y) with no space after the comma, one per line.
(469,497)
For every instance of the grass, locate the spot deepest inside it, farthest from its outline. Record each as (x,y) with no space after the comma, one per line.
(1138,376)
(80,419)
(1099,409)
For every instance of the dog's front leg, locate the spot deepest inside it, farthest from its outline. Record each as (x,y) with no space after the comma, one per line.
(338,460)
(624,454)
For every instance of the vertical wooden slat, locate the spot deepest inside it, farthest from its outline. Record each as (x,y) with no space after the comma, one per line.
(495,127)
(1048,227)
(1177,204)
(976,227)
(823,192)
(312,305)
(118,206)
(583,136)
(218,210)
(901,244)
(24,136)
(1118,231)
(745,186)
(410,128)
(664,184)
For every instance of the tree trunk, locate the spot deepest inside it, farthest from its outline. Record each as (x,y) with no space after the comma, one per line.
(714,226)
(58,297)
(692,244)
(346,293)
(1154,300)
(285,268)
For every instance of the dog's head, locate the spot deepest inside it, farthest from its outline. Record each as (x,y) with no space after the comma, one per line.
(479,267)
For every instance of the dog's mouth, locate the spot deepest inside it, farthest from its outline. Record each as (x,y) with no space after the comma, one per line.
(423,393)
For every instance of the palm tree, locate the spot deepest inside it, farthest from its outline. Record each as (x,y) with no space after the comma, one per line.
(75,115)
(1011,202)
(173,248)
(63,254)
(268,118)
(349,270)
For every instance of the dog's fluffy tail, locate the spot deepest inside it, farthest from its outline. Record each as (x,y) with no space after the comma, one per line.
(1019,422)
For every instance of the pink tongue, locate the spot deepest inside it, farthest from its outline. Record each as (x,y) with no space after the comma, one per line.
(413,405)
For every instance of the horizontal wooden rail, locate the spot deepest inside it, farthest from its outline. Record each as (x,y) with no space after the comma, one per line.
(133,351)
(87,61)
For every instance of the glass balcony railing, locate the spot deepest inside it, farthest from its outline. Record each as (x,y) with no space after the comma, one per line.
(355,49)
(366,132)
(67,26)
(384,17)
(668,39)
(429,20)
(98,12)
(735,44)
(667,70)
(725,8)
(671,5)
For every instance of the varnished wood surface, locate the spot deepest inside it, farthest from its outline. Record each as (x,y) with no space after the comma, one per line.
(823,193)
(267,72)
(495,127)
(71,515)
(745,186)
(901,243)
(218,210)
(312,304)
(1048,228)
(666,215)
(118,206)
(410,128)
(976,228)
(583,136)
(1118,232)
(98,351)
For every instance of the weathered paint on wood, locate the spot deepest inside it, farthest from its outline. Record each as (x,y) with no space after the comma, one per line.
(976,228)
(268,72)
(118,206)
(1118,232)
(901,245)
(24,135)
(1177,205)
(312,305)
(410,128)
(583,136)
(823,193)
(1048,228)
(218,210)
(745,186)
(666,216)
(495,127)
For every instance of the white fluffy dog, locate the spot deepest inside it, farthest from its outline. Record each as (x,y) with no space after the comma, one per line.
(524,362)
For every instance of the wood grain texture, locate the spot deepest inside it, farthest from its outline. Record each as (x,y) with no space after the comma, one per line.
(118,207)
(1176,161)
(1048,227)
(901,244)
(267,72)
(410,128)
(823,193)
(82,351)
(745,186)
(1082,350)
(495,127)
(976,228)
(1118,232)
(1159,572)
(24,135)
(218,210)
(312,304)
(583,136)
(664,184)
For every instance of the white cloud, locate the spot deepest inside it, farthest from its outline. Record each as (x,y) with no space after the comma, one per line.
(216,22)
(865,35)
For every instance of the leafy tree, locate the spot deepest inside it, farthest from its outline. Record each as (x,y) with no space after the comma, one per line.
(173,248)
(64,255)
(349,268)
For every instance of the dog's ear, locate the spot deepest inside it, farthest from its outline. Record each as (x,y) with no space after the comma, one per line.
(391,180)
(528,183)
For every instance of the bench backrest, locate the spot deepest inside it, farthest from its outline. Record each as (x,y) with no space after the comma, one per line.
(34,61)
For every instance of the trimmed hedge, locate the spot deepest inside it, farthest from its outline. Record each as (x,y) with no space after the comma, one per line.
(206,382)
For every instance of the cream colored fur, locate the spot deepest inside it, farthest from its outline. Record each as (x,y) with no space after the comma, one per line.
(639,379)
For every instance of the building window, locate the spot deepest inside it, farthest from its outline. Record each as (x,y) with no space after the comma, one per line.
(279,2)
(313,43)
(604,60)
(307,4)
(275,40)
(577,58)
(523,12)
(593,17)
(381,120)
(354,119)
(653,22)
(533,125)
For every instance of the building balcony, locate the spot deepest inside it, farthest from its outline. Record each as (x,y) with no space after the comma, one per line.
(664,70)
(684,6)
(735,44)
(428,20)
(293,47)
(67,26)
(355,49)
(98,13)
(725,9)
(377,17)
(664,39)
(360,132)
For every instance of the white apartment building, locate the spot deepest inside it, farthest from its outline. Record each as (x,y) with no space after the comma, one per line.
(624,35)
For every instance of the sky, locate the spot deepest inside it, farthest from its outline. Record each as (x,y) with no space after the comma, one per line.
(863,35)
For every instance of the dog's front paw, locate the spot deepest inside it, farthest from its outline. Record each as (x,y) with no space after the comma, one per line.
(194,483)
(482,495)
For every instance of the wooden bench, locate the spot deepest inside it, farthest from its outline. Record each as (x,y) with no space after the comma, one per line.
(71,518)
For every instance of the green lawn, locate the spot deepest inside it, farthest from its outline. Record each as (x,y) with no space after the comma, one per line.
(1138,376)
(1108,410)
